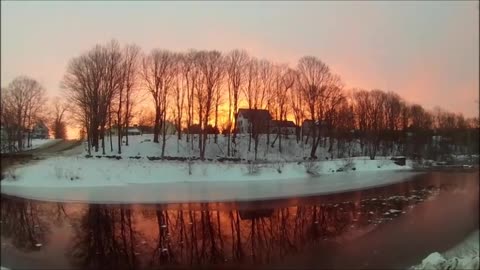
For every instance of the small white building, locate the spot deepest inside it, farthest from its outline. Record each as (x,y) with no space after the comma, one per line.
(131,131)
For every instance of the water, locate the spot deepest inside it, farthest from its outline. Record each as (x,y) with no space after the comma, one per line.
(389,227)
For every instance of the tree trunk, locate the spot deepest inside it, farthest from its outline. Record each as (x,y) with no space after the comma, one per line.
(315,142)
(127,116)
(110,132)
(250,137)
(156,125)
(164,133)
(256,144)
(216,122)
(94,133)
(280,140)
(102,132)
(119,124)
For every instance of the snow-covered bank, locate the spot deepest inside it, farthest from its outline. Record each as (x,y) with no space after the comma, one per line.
(103,180)
(78,177)
(463,256)
(196,191)
(83,172)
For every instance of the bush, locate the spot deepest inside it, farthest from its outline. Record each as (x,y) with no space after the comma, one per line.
(253,167)
(312,167)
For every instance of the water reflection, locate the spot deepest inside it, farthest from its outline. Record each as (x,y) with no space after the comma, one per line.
(24,223)
(139,236)
(105,237)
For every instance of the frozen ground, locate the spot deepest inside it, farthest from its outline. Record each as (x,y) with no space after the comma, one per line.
(463,256)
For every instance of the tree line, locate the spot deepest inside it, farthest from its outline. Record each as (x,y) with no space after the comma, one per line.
(23,105)
(105,84)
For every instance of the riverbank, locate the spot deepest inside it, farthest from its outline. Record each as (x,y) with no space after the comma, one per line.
(104,180)
(463,256)
(78,171)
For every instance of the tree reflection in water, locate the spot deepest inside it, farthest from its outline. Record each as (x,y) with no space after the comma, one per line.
(105,238)
(211,237)
(133,237)
(23,225)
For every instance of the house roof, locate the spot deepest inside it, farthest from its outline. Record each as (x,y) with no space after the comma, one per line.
(283,123)
(255,114)
(40,124)
(309,122)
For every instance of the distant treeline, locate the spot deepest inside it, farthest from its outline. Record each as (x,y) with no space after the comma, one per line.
(104,86)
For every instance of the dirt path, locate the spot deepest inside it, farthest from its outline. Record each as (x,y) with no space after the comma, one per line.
(60,148)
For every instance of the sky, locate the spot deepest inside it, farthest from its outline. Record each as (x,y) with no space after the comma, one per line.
(427,52)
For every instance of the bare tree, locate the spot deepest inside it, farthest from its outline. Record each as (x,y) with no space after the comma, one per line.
(236,63)
(297,108)
(22,102)
(266,75)
(113,86)
(393,110)
(159,72)
(83,83)
(285,78)
(58,123)
(190,75)
(369,107)
(179,95)
(313,78)
(210,65)
(131,71)
(218,101)
(251,90)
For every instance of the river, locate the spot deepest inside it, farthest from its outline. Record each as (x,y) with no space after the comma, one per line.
(393,226)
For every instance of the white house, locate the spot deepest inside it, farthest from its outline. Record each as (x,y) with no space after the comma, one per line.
(40,131)
(252,120)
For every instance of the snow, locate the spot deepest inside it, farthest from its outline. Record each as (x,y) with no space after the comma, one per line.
(100,179)
(105,180)
(143,145)
(463,256)
(79,171)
